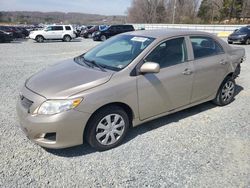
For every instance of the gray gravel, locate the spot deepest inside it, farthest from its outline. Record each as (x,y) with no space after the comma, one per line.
(205,146)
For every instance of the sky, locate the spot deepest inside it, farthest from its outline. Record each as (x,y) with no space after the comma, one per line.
(104,7)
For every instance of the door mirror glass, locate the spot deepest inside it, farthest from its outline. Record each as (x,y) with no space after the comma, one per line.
(150,67)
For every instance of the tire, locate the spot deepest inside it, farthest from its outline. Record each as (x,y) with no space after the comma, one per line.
(101,134)
(103,38)
(39,38)
(247,41)
(226,92)
(230,42)
(66,38)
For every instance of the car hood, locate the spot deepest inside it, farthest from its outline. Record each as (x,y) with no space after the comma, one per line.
(237,34)
(65,79)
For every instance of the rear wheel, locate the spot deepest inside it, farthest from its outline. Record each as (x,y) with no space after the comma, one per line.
(66,38)
(226,92)
(107,128)
(230,42)
(39,38)
(89,36)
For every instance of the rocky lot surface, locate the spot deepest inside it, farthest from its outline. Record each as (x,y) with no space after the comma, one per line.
(204,146)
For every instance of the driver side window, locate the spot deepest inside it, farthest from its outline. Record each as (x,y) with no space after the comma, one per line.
(169,53)
(49,28)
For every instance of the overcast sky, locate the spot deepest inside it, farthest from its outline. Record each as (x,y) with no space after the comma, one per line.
(106,7)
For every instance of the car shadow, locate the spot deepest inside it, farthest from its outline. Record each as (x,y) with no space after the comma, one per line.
(59,41)
(85,149)
(16,41)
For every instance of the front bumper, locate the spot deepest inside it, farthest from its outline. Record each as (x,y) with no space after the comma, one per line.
(66,128)
(96,37)
(237,39)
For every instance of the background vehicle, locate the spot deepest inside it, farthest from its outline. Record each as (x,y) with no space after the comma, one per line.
(111,31)
(241,35)
(125,81)
(54,32)
(11,29)
(88,32)
(5,36)
(24,31)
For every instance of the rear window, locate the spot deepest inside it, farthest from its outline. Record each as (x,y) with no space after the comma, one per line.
(205,46)
(68,27)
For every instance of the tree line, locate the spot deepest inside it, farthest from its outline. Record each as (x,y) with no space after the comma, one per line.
(189,11)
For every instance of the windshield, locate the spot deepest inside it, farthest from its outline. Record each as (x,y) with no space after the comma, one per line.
(243,30)
(117,52)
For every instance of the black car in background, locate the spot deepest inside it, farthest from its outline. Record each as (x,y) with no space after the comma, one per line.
(11,29)
(5,36)
(241,35)
(111,31)
(24,31)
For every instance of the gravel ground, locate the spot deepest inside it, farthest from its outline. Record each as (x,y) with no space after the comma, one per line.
(205,146)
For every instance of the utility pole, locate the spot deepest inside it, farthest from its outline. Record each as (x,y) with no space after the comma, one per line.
(174,12)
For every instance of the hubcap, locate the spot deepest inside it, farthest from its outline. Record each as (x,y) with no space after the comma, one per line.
(103,38)
(40,39)
(227,91)
(110,129)
(67,39)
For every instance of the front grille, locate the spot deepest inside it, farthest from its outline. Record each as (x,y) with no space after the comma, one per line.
(26,103)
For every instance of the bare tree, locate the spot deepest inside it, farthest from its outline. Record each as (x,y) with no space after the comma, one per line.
(147,11)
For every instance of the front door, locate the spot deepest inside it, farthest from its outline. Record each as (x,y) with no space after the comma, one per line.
(171,88)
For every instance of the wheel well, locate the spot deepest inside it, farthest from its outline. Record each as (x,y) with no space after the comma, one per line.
(124,106)
(229,75)
(66,35)
(39,36)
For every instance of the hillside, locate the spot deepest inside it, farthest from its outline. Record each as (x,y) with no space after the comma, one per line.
(25,17)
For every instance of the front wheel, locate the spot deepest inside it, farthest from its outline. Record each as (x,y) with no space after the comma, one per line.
(39,38)
(247,41)
(226,92)
(103,38)
(107,128)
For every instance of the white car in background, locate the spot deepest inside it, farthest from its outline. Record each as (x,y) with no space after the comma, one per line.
(54,32)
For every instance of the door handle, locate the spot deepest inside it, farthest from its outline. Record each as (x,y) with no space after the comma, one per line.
(187,72)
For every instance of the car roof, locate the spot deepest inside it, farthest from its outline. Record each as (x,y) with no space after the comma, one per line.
(167,33)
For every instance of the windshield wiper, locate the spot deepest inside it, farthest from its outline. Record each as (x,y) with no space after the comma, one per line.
(94,63)
(80,60)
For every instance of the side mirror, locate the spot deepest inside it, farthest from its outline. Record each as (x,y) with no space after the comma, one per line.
(150,67)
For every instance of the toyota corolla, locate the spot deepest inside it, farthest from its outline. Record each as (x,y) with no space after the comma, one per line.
(125,81)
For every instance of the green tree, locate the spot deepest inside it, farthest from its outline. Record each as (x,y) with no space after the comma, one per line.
(231,9)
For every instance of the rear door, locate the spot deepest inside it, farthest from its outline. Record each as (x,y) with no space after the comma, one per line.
(210,64)
(171,88)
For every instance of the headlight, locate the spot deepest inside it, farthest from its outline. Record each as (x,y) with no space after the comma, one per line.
(97,33)
(50,107)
